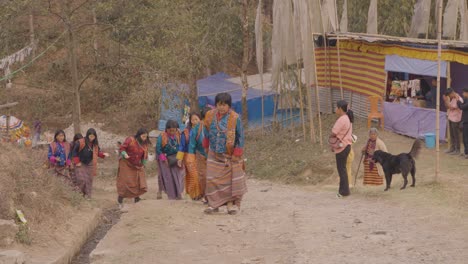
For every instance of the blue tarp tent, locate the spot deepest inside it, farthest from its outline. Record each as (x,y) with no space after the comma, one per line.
(172,104)
(218,83)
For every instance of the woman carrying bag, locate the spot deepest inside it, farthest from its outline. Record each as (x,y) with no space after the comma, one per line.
(340,141)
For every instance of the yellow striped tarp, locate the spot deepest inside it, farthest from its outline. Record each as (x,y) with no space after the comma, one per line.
(361,72)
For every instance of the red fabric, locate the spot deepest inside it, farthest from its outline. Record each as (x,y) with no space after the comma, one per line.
(206,143)
(238,152)
(135,152)
(76,160)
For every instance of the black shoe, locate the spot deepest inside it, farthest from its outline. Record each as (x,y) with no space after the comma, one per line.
(137,199)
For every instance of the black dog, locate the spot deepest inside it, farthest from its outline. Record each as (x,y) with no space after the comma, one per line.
(403,163)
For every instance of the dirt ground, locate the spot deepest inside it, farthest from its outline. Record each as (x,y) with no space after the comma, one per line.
(293,223)
(306,224)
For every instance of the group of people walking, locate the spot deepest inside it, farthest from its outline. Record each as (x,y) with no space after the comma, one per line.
(205,159)
(76,162)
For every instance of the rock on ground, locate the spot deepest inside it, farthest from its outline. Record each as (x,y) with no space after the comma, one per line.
(12,257)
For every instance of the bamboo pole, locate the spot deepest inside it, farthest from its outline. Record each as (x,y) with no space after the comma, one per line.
(317,98)
(338,50)
(325,45)
(290,100)
(301,101)
(439,57)
(449,84)
(362,36)
(263,104)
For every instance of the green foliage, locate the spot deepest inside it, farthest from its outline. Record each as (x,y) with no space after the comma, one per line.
(394,16)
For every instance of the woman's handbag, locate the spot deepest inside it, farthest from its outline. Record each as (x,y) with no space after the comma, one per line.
(172,160)
(335,142)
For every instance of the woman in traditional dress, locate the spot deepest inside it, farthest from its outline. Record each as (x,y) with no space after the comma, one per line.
(85,154)
(225,176)
(373,173)
(193,155)
(72,167)
(171,174)
(59,156)
(131,177)
(341,140)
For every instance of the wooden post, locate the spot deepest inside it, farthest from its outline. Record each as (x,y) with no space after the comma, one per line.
(338,50)
(301,100)
(449,84)
(317,98)
(449,78)
(439,62)
(263,104)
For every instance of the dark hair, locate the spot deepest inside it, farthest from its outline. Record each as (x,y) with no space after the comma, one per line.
(58,132)
(343,105)
(77,136)
(140,132)
(171,124)
(204,111)
(190,125)
(449,91)
(90,132)
(223,98)
(465,90)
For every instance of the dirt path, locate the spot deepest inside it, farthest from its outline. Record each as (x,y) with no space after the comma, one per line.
(287,224)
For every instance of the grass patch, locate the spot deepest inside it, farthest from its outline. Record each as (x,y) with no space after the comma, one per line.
(282,157)
(27,186)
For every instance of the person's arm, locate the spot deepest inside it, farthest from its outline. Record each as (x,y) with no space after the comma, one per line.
(101,154)
(381,145)
(239,141)
(76,153)
(50,155)
(206,129)
(463,106)
(124,147)
(182,146)
(159,150)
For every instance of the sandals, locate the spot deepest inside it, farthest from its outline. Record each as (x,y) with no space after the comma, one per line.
(232,211)
(159,196)
(211,210)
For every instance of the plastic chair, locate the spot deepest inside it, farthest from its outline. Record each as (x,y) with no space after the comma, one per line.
(374,112)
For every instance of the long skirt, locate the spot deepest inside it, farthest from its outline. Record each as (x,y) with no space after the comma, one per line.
(225,182)
(62,172)
(84,178)
(201,162)
(192,182)
(131,181)
(171,180)
(371,177)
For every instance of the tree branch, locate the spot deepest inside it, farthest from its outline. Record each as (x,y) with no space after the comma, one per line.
(78,7)
(84,79)
(54,13)
(8,105)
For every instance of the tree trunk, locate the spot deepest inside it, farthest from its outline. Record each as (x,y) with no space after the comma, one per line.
(31,29)
(194,106)
(70,39)
(95,36)
(245,60)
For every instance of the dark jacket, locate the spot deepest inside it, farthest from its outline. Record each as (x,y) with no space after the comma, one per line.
(464,108)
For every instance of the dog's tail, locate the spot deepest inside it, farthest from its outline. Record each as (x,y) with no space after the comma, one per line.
(416,148)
